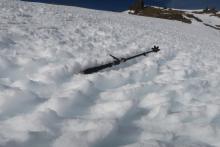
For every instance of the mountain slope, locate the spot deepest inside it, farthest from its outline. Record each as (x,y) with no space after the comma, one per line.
(165,99)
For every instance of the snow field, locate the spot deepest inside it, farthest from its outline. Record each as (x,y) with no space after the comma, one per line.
(165,99)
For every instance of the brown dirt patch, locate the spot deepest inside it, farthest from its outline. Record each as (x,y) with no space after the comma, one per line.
(167,14)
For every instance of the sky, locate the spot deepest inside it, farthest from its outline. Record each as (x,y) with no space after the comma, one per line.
(121,5)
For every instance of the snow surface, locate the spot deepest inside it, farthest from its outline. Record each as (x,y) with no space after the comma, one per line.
(168,99)
(209,19)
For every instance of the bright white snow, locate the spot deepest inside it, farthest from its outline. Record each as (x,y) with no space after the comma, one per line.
(168,99)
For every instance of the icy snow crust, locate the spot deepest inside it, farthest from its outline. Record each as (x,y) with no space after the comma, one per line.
(168,99)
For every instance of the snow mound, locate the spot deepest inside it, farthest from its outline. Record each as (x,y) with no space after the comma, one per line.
(166,99)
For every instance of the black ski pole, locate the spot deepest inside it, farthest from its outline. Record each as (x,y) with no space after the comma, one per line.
(117,61)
